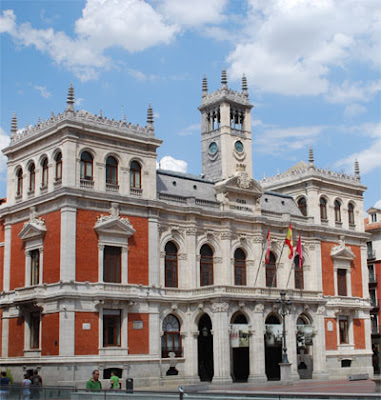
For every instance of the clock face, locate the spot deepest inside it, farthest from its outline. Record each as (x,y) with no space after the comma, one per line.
(213,148)
(238,145)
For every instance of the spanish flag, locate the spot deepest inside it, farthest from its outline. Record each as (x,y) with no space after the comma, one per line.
(300,252)
(267,249)
(289,242)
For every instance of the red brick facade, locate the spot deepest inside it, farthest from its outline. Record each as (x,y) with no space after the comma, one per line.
(331,335)
(50,334)
(138,339)
(86,341)
(16,337)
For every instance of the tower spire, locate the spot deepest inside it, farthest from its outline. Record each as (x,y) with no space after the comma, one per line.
(311,156)
(150,117)
(244,86)
(357,170)
(14,125)
(70,99)
(224,78)
(204,86)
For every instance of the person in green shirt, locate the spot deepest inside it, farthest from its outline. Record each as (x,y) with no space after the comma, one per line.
(114,382)
(94,384)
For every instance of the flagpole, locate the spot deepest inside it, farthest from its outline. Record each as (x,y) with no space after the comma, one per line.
(281,252)
(259,265)
(289,275)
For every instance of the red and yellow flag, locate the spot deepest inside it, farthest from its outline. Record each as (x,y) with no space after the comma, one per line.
(300,252)
(267,249)
(289,242)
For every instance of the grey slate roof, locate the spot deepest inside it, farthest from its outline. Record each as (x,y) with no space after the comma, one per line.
(188,185)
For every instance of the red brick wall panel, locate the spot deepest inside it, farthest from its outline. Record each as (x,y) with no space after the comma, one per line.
(1,332)
(52,247)
(87,246)
(86,341)
(356,272)
(138,252)
(327,267)
(50,334)
(16,337)
(17,273)
(359,333)
(1,269)
(331,336)
(138,339)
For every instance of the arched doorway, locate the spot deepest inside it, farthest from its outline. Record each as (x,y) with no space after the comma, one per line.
(273,347)
(240,348)
(205,349)
(304,346)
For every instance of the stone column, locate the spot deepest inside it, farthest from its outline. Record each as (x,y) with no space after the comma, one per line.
(5,333)
(221,343)
(67,328)
(191,273)
(153,251)
(291,344)
(68,243)
(318,346)
(257,347)
(7,257)
(224,277)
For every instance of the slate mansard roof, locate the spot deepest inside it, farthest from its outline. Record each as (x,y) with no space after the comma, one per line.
(187,185)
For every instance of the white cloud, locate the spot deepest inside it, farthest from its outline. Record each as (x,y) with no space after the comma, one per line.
(290,47)
(130,24)
(353,110)
(368,158)
(43,91)
(279,141)
(353,92)
(171,164)
(193,13)
(79,101)
(190,130)
(4,142)
(378,204)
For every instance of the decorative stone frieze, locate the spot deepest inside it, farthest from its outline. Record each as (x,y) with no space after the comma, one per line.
(220,307)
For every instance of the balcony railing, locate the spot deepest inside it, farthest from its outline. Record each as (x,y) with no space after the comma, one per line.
(87,184)
(371,254)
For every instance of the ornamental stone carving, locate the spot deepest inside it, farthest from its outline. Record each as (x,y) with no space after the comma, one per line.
(320,310)
(259,308)
(220,307)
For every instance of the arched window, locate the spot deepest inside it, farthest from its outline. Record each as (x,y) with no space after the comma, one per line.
(298,266)
(302,204)
(323,208)
(44,166)
(171,340)
(351,214)
(32,177)
(111,171)
(206,265)
(170,265)
(337,211)
(271,271)
(58,160)
(19,182)
(239,267)
(86,166)
(135,175)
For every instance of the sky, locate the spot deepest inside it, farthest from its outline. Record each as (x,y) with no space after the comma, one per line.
(312,66)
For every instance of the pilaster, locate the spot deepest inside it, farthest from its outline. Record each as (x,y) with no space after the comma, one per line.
(68,243)
(7,257)
(153,251)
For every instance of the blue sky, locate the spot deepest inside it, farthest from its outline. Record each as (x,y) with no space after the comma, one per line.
(313,70)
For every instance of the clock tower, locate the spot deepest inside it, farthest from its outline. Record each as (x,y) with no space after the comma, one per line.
(225,131)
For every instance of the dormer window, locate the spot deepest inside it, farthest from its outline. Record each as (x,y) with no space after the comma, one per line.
(373,217)
(86,166)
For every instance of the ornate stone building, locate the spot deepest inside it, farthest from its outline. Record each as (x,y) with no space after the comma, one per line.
(109,263)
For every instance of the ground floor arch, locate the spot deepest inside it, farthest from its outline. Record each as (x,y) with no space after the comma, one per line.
(205,349)
(273,347)
(240,351)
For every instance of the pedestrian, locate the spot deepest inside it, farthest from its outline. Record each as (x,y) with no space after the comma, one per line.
(4,386)
(114,382)
(94,384)
(36,385)
(25,387)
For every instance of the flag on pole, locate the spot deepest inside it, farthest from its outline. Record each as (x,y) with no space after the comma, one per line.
(300,251)
(268,245)
(289,242)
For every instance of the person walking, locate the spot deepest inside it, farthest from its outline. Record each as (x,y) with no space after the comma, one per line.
(36,385)
(4,386)
(114,382)
(94,384)
(25,394)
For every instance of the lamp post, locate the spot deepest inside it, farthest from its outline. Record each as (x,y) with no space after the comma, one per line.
(283,304)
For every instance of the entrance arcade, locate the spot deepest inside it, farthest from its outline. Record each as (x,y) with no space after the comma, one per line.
(273,347)
(240,348)
(205,349)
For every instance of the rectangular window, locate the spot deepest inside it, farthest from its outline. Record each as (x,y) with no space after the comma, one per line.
(342,282)
(372,275)
(35,330)
(374,217)
(111,264)
(35,267)
(343,330)
(111,328)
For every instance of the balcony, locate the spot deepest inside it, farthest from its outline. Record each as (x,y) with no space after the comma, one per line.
(87,184)
(112,187)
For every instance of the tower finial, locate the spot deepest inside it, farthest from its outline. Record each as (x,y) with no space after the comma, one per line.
(224,78)
(150,116)
(244,85)
(14,125)
(204,86)
(357,170)
(70,99)
(311,156)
